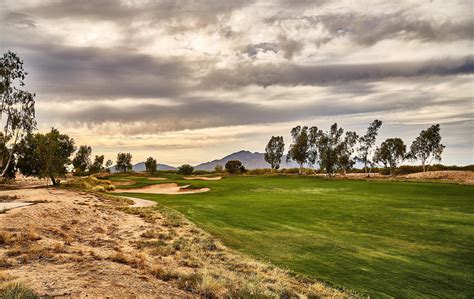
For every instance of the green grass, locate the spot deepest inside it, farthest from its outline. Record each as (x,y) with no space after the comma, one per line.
(402,239)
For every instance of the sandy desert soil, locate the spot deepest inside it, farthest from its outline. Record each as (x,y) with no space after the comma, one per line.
(157,179)
(203,178)
(169,188)
(456,176)
(73,244)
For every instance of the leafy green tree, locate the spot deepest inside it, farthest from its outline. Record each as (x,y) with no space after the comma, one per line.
(45,156)
(108,164)
(302,150)
(185,169)
(82,160)
(124,162)
(234,166)
(345,151)
(334,149)
(427,146)
(218,168)
(97,165)
(274,151)
(150,165)
(367,143)
(17,108)
(390,153)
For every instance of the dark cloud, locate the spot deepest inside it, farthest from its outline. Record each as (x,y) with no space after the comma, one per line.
(201,13)
(86,72)
(369,29)
(291,74)
(196,113)
(253,49)
(289,46)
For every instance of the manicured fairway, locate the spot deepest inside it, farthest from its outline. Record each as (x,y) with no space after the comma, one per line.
(399,239)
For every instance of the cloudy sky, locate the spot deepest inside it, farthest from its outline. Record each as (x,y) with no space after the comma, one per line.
(188,81)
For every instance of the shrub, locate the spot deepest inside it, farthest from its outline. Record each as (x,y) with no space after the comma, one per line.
(16,291)
(185,169)
(98,189)
(234,166)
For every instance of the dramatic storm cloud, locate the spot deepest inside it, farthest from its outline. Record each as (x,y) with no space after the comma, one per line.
(191,80)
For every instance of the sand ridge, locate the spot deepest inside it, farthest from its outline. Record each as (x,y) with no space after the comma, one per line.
(203,178)
(167,188)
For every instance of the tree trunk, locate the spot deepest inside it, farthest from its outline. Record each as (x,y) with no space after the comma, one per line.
(55,183)
(301,169)
(424,166)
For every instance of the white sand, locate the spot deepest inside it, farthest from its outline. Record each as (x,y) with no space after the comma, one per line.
(171,188)
(203,178)
(11,205)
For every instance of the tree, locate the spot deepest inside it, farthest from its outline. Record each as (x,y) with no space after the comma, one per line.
(98,164)
(218,168)
(345,150)
(390,153)
(302,150)
(234,166)
(45,156)
(185,169)
(124,162)
(17,108)
(274,151)
(108,164)
(367,142)
(82,160)
(150,165)
(427,146)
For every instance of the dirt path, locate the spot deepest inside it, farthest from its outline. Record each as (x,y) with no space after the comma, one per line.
(141,203)
(66,244)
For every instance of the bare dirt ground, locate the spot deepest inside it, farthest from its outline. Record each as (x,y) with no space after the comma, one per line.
(72,244)
(456,176)
(203,178)
(169,188)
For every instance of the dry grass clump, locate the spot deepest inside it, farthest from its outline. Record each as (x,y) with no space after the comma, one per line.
(138,261)
(92,183)
(16,290)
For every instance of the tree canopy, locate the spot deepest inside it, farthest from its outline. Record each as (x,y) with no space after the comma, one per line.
(390,153)
(274,151)
(150,165)
(185,169)
(367,143)
(82,160)
(17,108)
(427,146)
(234,166)
(45,155)
(124,162)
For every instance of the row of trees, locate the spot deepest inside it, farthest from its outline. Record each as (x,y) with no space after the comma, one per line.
(335,150)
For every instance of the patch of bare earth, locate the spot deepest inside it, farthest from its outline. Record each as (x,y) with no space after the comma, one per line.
(203,178)
(168,188)
(456,176)
(78,244)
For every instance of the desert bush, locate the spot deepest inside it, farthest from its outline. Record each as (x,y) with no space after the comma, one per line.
(98,189)
(202,172)
(17,291)
(185,169)
(234,166)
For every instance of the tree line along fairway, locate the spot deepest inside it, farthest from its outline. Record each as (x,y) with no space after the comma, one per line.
(402,239)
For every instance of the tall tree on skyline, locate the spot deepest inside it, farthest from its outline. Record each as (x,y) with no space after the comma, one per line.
(367,143)
(274,151)
(427,146)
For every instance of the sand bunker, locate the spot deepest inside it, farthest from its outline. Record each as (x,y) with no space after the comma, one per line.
(203,178)
(11,205)
(163,189)
(124,183)
(448,175)
(157,179)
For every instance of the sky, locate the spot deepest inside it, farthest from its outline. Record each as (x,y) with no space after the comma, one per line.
(188,81)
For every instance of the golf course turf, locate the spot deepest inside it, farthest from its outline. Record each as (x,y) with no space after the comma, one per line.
(402,239)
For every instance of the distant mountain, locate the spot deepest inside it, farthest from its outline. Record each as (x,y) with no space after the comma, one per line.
(139,167)
(249,160)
